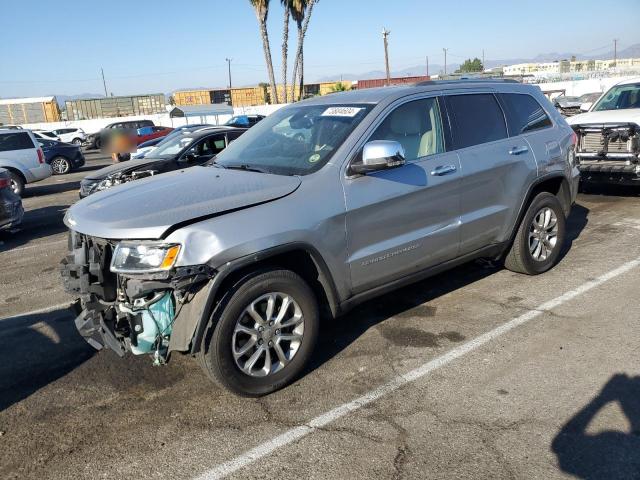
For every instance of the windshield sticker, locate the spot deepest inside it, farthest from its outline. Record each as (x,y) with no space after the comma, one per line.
(314,158)
(341,112)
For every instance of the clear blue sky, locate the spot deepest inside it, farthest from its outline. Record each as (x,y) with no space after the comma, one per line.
(58,47)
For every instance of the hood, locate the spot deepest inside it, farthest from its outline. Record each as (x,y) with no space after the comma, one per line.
(122,167)
(628,115)
(147,208)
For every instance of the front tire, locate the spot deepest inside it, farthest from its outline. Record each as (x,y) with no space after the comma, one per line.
(77,141)
(540,236)
(263,333)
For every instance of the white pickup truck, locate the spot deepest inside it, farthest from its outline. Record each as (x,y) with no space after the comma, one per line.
(608,143)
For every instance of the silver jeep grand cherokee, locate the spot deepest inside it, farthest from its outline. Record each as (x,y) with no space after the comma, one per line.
(322,205)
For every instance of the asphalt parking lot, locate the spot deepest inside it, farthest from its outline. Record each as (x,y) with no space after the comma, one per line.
(476,373)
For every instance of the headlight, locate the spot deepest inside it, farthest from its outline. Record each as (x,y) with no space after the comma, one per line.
(132,257)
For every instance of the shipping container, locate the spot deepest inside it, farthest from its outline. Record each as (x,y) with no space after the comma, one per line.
(115,106)
(249,96)
(381,82)
(29,110)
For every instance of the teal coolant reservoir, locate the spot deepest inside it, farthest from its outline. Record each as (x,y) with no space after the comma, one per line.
(157,320)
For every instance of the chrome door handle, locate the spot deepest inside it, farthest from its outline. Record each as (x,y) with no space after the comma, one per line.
(518,150)
(443,170)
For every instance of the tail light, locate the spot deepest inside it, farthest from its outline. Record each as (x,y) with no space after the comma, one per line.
(4,183)
(40,156)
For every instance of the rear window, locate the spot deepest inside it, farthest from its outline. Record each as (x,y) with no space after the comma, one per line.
(477,118)
(524,113)
(15,141)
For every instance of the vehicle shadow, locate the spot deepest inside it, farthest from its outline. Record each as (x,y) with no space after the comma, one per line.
(337,335)
(37,223)
(40,189)
(610,454)
(36,350)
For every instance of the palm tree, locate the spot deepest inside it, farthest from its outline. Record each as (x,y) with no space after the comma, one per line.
(261,8)
(301,13)
(285,44)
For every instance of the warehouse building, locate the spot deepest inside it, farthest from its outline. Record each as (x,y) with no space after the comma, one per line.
(29,110)
(106,107)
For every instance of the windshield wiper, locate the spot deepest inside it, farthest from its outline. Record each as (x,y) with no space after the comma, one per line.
(245,167)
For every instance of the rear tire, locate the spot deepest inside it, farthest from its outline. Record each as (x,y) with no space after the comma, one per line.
(540,236)
(60,166)
(282,352)
(17,183)
(76,141)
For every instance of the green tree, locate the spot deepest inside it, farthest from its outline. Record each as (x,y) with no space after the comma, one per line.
(469,66)
(339,87)
(261,8)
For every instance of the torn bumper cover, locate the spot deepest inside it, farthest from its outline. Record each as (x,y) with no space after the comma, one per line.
(609,153)
(153,313)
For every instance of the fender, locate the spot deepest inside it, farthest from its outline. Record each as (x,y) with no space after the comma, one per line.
(17,167)
(324,277)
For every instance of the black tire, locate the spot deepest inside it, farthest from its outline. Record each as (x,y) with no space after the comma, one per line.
(216,356)
(60,165)
(520,258)
(17,183)
(77,141)
(98,143)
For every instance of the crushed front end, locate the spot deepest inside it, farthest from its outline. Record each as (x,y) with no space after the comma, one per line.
(125,307)
(609,153)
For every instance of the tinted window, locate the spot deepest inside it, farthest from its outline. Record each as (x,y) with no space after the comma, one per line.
(15,141)
(416,126)
(524,113)
(477,118)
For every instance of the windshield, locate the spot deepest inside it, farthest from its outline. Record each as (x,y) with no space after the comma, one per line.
(294,140)
(172,147)
(620,97)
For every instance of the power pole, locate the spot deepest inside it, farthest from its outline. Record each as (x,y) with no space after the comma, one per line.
(385,34)
(483,67)
(427,65)
(229,64)
(445,59)
(615,52)
(104,83)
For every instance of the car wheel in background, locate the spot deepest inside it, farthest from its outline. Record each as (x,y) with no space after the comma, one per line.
(17,183)
(60,166)
(540,237)
(263,333)
(77,141)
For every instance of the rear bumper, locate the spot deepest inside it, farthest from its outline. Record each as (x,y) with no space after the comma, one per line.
(38,173)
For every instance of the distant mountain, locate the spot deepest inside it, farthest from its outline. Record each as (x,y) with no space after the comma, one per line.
(632,51)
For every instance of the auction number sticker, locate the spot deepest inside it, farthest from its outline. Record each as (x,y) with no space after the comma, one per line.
(341,112)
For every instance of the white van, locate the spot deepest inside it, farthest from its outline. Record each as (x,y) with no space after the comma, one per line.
(21,155)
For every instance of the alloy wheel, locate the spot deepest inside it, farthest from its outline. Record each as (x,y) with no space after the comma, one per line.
(60,166)
(268,334)
(543,234)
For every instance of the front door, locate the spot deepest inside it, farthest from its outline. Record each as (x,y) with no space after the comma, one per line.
(403,220)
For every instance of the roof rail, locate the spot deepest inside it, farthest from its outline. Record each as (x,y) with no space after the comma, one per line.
(465,80)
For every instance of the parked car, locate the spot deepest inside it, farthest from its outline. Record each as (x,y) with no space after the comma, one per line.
(45,135)
(608,136)
(152,133)
(94,141)
(588,99)
(244,121)
(63,157)
(71,135)
(183,151)
(11,211)
(145,147)
(234,262)
(11,127)
(22,156)
(567,105)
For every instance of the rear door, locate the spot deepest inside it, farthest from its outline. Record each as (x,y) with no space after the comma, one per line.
(18,148)
(405,219)
(495,168)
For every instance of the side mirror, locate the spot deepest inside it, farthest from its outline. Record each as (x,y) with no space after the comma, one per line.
(189,157)
(586,106)
(380,155)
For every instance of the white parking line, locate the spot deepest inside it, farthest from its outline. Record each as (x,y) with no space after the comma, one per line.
(320,421)
(36,312)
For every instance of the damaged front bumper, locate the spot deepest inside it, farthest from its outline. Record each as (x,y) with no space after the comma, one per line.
(153,313)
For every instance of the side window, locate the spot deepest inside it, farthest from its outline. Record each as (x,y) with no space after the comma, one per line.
(477,118)
(416,126)
(231,136)
(524,113)
(15,141)
(214,145)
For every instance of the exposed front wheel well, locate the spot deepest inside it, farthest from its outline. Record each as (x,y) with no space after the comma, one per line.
(17,172)
(558,186)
